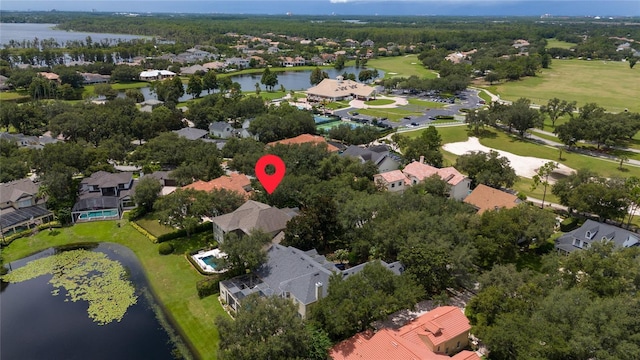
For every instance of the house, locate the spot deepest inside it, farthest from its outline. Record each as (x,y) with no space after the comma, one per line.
(340,89)
(520,44)
(240,63)
(151,75)
(103,196)
(291,62)
(418,171)
(393,181)
(459,57)
(302,276)
(485,198)
(20,207)
(169,184)
(28,141)
(252,215)
(190,70)
(90,78)
(305,139)
(50,76)
(380,155)
(214,65)
(592,231)
(221,129)
(238,183)
(190,133)
(440,334)
(367,43)
(4,85)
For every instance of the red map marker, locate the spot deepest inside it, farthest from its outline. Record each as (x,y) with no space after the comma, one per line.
(270,182)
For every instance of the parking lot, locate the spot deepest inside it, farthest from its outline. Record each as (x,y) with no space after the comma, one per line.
(467,99)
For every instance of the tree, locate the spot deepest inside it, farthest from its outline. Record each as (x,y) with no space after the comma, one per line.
(269,79)
(146,192)
(490,169)
(632,62)
(542,177)
(633,194)
(135,95)
(210,81)
(244,252)
(556,108)
(623,158)
(194,87)
(182,209)
(267,328)
(478,119)
(427,145)
(522,117)
(428,264)
(317,75)
(339,64)
(315,227)
(353,303)
(106,90)
(492,77)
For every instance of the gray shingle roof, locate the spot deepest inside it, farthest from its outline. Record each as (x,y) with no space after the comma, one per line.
(105,179)
(220,126)
(12,191)
(592,231)
(373,154)
(191,133)
(253,215)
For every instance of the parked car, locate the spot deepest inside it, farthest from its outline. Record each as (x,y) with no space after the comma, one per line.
(414,123)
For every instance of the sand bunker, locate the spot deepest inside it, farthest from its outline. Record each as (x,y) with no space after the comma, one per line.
(524,166)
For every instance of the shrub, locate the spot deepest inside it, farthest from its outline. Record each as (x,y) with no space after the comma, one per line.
(208,286)
(444,117)
(569,224)
(50,225)
(165,249)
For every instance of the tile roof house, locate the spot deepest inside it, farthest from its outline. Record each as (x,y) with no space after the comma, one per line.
(380,155)
(190,70)
(393,181)
(90,78)
(235,182)
(190,133)
(440,334)
(305,139)
(103,196)
(486,198)
(592,231)
(340,89)
(252,215)
(20,208)
(302,276)
(418,171)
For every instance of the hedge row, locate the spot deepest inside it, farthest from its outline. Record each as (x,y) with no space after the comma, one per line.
(569,224)
(182,232)
(50,225)
(444,117)
(208,286)
(8,239)
(144,232)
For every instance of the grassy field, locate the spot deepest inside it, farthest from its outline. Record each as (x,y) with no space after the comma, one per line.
(12,95)
(425,103)
(172,277)
(401,66)
(555,43)
(394,114)
(611,85)
(89,89)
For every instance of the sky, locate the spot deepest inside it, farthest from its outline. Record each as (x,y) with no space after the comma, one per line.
(344,7)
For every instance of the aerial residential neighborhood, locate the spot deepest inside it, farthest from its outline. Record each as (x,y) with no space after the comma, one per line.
(434,187)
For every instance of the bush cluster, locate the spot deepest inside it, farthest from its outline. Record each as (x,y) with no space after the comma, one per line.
(165,249)
(208,286)
(569,224)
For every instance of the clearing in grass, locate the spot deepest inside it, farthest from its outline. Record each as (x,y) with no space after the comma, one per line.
(401,66)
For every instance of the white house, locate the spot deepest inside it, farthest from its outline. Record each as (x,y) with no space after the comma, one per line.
(151,75)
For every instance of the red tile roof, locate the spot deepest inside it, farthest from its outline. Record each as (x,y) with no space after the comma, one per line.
(439,325)
(392,176)
(487,198)
(422,171)
(303,139)
(404,343)
(232,182)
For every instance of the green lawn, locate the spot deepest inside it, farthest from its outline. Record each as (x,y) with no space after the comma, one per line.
(555,43)
(401,66)
(425,103)
(172,277)
(394,114)
(153,226)
(611,85)
(89,89)
(379,102)
(12,95)
(337,105)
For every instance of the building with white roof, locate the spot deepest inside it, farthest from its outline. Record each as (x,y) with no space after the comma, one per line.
(340,89)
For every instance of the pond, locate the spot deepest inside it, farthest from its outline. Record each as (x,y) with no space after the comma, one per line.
(292,80)
(29,31)
(40,321)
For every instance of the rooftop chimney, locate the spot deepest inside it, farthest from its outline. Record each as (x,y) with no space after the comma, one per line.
(318,291)
(421,159)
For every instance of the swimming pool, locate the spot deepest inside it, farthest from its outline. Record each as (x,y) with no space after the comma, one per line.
(322,119)
(206,260)
(332,124)
(90,215)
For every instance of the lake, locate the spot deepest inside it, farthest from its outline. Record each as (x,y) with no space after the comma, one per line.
(37,325)
(292,80)
(23,32)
